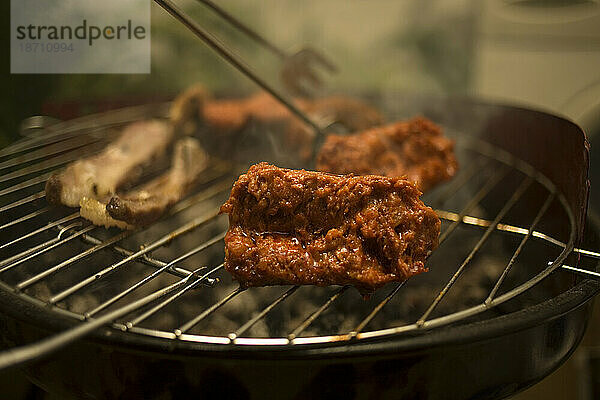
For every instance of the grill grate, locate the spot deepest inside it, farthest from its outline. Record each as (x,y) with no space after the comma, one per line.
(48,248)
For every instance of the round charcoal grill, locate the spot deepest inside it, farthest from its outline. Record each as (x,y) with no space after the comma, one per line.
(498,310)
(506,299)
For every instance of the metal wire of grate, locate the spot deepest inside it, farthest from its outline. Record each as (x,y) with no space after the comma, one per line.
(54,258)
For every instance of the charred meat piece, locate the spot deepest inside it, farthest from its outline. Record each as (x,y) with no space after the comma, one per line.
(145,205)
(119,163)
(194,106)
(311,228)
(194,111)
(415,149)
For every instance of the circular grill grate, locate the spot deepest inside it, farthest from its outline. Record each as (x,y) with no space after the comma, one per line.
(505,229)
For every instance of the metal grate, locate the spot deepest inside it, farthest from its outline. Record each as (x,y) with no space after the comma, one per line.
(167,280)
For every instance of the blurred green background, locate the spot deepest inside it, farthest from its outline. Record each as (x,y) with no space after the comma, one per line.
(394,46)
